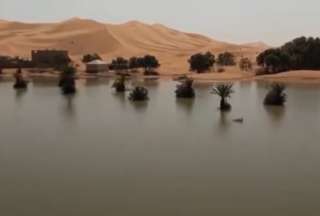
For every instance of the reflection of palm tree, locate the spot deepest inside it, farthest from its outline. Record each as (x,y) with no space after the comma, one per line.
(20,93)
(121,97)
(185,104)
(224,91)
(69,110)
(140,106)
(275,112)
(223,122)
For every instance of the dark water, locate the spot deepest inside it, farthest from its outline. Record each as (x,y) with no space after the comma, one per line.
(99,154)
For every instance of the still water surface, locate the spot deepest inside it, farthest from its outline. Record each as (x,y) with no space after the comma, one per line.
(99,154)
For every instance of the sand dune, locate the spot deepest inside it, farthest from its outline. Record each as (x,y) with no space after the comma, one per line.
(81,36)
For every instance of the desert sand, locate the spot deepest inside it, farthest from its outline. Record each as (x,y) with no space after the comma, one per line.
(134,38)
(301,76)
(82,36)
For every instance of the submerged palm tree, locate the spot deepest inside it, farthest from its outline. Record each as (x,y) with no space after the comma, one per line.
(20,82)
(139,94)
(120,84)
(67,80)
(276,95)
(185,89)
(224,91)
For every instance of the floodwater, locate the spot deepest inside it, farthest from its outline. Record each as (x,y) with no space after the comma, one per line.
(99,154)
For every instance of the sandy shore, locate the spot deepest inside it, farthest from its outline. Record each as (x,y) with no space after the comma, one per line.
(301,76)
(231,74)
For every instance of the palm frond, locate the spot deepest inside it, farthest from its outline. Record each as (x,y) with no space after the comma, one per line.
(223,90)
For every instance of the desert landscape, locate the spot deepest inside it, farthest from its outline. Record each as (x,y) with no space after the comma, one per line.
(159,108)
(173,48)
(81,36)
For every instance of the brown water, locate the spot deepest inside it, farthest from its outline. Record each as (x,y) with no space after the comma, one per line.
(99,154)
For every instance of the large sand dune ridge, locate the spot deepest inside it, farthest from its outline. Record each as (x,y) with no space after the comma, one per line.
(82,36)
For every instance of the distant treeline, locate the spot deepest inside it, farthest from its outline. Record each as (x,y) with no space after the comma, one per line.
(148,62)
(15,62)
(300,54)
(204,62)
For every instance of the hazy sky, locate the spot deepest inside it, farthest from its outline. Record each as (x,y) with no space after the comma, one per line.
(271,21)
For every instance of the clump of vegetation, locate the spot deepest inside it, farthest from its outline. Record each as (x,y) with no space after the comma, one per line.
(245,64)
(185,89)
(120,84)
(139,93)
(202,62)
(15,62)
(226,59)
(276,96)
(300,54)
(90,57)
(135,62)
(150,63)
(20,82)
(273,61)
(119,64)
(67,80)
(224,91)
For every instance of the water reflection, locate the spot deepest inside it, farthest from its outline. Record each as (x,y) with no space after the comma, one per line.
(69,107)
(19,94)
(244,85)
(81,146)
(224,121)
(121,97)
(92,82)
(140,106)
(276,113)
(151,82)
(185,104)
(45,82)
(202,86)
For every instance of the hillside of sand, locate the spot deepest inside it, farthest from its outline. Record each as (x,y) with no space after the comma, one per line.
(82,36)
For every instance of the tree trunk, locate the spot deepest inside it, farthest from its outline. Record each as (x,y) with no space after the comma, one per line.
(222,103)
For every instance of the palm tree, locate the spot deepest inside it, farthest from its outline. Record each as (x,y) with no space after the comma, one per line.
(20,82)
(276,95)
(119,84)
(224,91)
(150,63)
(67,80)
(185,89)
(139,94)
